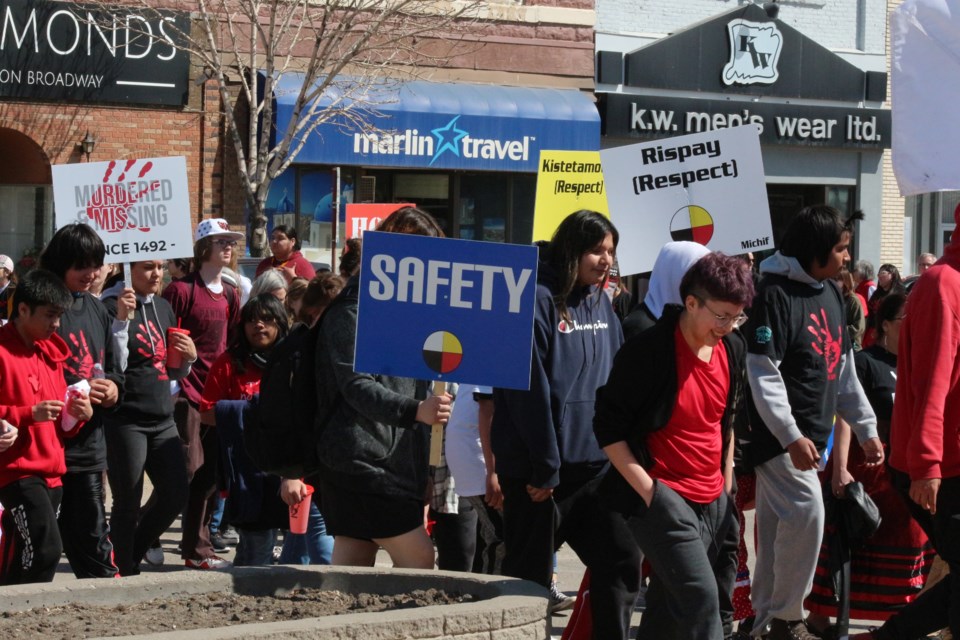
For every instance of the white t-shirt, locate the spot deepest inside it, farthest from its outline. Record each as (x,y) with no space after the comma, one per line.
(463,452)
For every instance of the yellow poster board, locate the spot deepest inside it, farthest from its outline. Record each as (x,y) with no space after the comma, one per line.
(567,181)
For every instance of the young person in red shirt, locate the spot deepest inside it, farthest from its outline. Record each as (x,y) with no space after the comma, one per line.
(32,390)
(208,307)
(665,420)
(286,258)
(253,504)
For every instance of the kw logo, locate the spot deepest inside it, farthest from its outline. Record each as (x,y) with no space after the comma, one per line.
(754,52)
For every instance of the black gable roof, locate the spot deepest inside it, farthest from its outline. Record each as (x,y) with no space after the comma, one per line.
(693,60)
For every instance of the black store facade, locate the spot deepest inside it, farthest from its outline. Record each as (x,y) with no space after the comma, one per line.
(823,131)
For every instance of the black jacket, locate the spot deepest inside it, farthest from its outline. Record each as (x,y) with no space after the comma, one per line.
(641,392)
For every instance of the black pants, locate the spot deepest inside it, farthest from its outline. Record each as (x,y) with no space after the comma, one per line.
(83,525)
(133,450)
(939,606)
(533,531)
(683,541)
(455,535)
(30,548)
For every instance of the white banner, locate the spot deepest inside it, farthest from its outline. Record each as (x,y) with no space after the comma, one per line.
(139,208)
(705,187)
(925,60)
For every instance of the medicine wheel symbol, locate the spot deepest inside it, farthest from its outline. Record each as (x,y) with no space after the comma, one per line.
(442,351)
(691,223)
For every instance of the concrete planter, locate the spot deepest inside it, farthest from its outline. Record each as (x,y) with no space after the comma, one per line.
(506,609)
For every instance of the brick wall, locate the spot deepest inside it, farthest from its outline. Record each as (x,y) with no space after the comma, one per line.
(892,232)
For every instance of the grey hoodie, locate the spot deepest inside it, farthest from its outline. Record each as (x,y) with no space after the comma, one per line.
(768,385)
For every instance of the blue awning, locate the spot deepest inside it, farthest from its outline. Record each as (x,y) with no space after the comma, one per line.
(443,125)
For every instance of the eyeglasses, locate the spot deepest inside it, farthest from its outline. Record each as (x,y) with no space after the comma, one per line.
(224,243)
(721,321)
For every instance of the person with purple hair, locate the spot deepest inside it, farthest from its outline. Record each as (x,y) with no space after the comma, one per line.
(668,431)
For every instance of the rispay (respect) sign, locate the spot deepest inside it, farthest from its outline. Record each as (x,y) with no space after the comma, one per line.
(445,309)
(706,187)
(139,208)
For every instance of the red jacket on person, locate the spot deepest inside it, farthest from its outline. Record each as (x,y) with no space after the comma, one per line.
(301,266)
(29,376)
(925,431)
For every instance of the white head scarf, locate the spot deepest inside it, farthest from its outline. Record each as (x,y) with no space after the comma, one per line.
(673,261)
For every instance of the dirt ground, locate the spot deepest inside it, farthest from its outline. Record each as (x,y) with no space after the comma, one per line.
(204,611)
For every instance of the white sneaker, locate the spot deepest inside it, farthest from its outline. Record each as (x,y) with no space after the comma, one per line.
(154,556)
(213,563)
(560,601)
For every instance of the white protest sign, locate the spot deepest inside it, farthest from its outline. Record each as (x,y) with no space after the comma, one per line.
(706,187)
(139,208)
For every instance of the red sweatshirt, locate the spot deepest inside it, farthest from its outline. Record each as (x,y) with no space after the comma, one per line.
(925,431)
(28,376)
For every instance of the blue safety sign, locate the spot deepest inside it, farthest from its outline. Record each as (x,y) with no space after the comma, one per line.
(445,309)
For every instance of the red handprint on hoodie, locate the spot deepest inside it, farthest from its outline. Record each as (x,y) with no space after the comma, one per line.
(81,360)
(825,344)
(153,348)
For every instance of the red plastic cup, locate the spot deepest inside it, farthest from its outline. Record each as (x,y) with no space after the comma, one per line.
(300,513)
(174,357)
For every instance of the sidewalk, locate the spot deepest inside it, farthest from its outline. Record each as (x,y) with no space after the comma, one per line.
(570,572)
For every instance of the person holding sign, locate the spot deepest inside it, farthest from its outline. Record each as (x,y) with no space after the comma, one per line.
(141,434)
(286,258)
(373,450)
(547,458)
(75,255)
(665,420)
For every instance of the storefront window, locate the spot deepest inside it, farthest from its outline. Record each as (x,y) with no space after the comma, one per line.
(430,192)
(931,221)
(26,221)
(483,207)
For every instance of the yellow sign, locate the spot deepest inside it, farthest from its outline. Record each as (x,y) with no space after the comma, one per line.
(567,181)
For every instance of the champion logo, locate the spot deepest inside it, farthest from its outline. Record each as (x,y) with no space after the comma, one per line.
(565,327)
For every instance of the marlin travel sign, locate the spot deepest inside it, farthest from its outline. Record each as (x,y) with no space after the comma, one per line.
(85,53)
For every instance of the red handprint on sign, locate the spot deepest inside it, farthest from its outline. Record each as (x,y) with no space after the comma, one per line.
(150,336)
(109,206)
(81,362)
(825,344)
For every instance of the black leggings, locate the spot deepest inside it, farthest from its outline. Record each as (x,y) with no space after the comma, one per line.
(83,525)
(133,450)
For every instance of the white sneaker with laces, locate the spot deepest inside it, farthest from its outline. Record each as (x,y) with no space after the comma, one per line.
(559,601)
(154,556)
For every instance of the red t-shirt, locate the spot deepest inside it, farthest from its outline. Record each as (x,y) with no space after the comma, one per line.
(226,383)
(688,452)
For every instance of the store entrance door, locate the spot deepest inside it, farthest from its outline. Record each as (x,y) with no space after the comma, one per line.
(787,199)
(26,196)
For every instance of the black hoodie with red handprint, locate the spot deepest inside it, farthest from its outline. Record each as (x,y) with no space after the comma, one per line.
(86,328)
(141,345)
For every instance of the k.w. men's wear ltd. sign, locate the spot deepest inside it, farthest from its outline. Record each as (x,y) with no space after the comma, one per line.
(657,117)
(85,53)
(139,208)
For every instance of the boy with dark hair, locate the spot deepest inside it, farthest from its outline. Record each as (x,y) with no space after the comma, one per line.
(75,255)
(801,373)
(32,388)
(668,431)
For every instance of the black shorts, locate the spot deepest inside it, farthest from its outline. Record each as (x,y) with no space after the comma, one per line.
(368,516)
